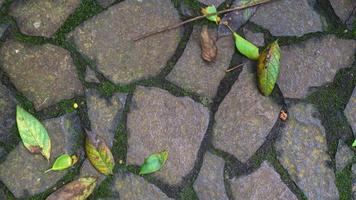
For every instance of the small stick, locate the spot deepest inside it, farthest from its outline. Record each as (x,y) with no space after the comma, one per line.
(240,65)
(171,27)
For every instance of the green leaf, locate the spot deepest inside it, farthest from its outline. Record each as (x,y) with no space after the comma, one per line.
(268,68)
(154,162)
(99,154)
(246,48)
(63,162)
(211,10)
(33,134)
(354,144)
(79,189)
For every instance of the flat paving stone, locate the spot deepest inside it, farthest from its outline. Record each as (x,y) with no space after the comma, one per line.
(104,115)
(42,17)
(159,121)
(289,17)
(302,150)
(107,39)
(244,118)
(193,73)
(130,187)
(105,3)
(45,74)
(210,182)
(212,2)
(313,63)
(350,111)
(264,183)
(343,156)
(90,76)
(345,9)
(7,114)
(256,38)
(23,172)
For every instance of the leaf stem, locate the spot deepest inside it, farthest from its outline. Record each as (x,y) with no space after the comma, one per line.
(171,27)
(238,66)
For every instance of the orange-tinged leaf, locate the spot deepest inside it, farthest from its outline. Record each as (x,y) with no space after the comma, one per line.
(79,189)
(99,154)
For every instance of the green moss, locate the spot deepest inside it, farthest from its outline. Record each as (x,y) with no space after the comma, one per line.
(188,193)
(344,182)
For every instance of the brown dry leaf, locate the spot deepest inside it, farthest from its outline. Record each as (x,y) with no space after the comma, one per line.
(79,189)
(209,50)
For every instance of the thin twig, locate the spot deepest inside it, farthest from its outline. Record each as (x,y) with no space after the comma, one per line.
(171,27)
(231,69)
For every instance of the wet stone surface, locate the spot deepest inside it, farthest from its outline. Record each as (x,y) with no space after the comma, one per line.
(7,114)
(289,18)
(343,156)
(159,121)
(313,63)
(350,111)
(42,17)
(264,183)
(345,10)
(130,186)
(303,153)
(107,39)
(244,118)
(210,183)
(193,73)
(45,74)
(104,115)
(23,173)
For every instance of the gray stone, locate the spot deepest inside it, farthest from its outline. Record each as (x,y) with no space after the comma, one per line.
(345,10)
(7,114)
(313,63)
(212,2)
(45,74)
(3,28)
(237,18)
(1,2)
(90,76)
(350,111)
(105,3)
(159,121)
(289,17)
(130,187)
(244,118)
(195,74)
(343,156)
(42,17)
(264,183)
(302,150)
(256,38)
(107,39)
(23,173)
(104,115)
(353,169)
(210,182)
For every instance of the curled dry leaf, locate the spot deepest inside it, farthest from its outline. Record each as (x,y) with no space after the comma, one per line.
(154,162)
(79,189)
(63,162)
(208,47)
(99,154)
(283,115)
(33,134)
(268,68)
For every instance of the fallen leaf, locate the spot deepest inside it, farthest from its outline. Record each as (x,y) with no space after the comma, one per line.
(354,144)
(63,162)
(154,162)
(79,189)
(237,18)
(208,46)
(283,115)
(211,10)
(33,134)
(268,68)
(99,154)
(244,46)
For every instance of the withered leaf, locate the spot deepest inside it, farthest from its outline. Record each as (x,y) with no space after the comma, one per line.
(99,154)
(208,47)
(79,189)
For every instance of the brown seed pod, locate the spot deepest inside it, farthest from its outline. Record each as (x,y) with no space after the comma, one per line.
(283,115)
(209,50)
